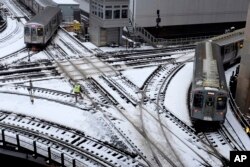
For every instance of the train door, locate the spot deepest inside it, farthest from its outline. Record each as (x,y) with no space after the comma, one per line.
(209,107)
(27,36)
(33,34)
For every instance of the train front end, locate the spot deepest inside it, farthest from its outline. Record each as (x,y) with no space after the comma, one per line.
(209,104)
(34,34)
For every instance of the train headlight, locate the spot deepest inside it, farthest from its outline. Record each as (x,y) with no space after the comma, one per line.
(221,113)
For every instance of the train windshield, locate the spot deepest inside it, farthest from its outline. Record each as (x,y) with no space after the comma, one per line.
(221,103)
(198,100)
(33,31)
(39,31)
(210,101)
(27,31)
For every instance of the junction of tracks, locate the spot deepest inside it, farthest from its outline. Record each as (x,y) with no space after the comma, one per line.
(134,110)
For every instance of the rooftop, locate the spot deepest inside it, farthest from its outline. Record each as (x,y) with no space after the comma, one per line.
(66,2)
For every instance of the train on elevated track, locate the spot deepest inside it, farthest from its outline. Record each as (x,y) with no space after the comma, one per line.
(40,29)
(209,92)
(230,46)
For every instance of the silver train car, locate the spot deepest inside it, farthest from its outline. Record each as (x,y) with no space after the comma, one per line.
(37,6)
(209,92)
(230,43)
(40,29)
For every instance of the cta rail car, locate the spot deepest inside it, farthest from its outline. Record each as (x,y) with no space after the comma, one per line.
(230,45)
(209,91)
(40,29)
(37,6)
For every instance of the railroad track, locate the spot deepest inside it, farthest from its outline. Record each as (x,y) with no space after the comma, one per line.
(47,94)
(72,43)
(123,94)
(157,99)
(21,73)
(86,92)
(99,106)
(130,53)
(11,34)
(14,54)
(86,150)
(142,59)
(223,139)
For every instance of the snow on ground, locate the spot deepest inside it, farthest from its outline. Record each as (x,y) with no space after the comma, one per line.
(81,120)
(92,124)
(139,75)
(90,45)
(54,84)
(37,56)
(176,94)
(122,48)
(11,39)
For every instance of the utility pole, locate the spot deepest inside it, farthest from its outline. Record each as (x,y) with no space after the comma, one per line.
(28,55)
(30,89)
(158,20)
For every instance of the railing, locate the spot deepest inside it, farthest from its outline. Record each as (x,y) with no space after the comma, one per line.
(148,37)
(160,41)
(38,148)
(182,41)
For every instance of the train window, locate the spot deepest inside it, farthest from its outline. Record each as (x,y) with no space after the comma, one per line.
(33,31)
(228,49)
(210,101)
(221,103)
(117,14)
(54,21)
(108,14)
(198,100)
(39,31)
(27,31)
(124,13)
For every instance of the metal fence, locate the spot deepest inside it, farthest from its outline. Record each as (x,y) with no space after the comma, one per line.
(39,148)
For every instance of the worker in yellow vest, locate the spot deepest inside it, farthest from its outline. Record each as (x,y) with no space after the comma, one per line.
(77,91)
(248,130)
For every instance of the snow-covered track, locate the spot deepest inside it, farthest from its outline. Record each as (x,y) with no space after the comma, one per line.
(3,25)
(14,54)
(72,43)
(138,53)
(11,34)
(47,94)
(74,144)
(142,59)
(15,10)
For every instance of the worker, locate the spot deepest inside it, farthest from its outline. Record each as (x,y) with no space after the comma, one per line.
(77,91)
(30,89)
(247,130)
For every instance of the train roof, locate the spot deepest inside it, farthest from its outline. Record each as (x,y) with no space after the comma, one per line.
(228,38)
(67,2)
(46,3)
(208,68)
(45,16)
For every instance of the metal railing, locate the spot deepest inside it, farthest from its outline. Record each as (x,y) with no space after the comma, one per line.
(38,148)
(149,38)
(3,22)
(161,41)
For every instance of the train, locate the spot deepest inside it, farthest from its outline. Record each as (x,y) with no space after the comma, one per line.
(40,29)
(37,6)
(230,45)
(209,92)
